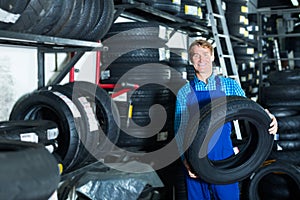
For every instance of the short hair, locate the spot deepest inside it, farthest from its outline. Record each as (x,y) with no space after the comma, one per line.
(201,43)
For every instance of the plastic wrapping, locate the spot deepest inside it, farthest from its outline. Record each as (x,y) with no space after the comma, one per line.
(115,184)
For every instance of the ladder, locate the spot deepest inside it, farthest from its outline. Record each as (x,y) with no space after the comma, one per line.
(217,16)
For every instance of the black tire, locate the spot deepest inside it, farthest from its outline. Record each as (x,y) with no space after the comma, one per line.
(134,36)
(280,93)
(49,19)
(289,145)
(142,130)
(241,165)
(94,14)
(284,111)
(52,106)
(45,130)
(89,139)
(138,73)
(140,56)
(168,7)
(139,31)
(286,156)
(289,136)
(81,22)
(292,176)
(285,77)
(104,22)
(38,17)
(63,19)
(27,171)
(71,21)
(106,112)
(291,123)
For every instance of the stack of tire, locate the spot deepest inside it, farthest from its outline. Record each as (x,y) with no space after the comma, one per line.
(86,120)
(236,14)
(247,68)
(76,19)
(138,55)
(139,62)
(281,96)
(237,17)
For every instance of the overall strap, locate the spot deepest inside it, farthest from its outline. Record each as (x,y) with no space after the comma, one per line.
(217,79)
(218,83)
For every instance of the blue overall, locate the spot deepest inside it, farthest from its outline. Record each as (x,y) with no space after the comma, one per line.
(219,148)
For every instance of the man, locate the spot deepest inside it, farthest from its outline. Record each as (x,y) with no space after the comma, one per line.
(200,91)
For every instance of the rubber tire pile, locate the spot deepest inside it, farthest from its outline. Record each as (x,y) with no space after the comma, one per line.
(75,19)
(279,177)
(72,125)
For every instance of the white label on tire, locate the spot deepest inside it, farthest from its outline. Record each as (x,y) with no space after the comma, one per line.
(191,10)
(29,137)
(8,17)
(178,2)
(69,103)
(92,119)
(162,32)
(52,133)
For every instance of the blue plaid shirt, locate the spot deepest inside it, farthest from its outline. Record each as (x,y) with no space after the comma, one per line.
(228,85)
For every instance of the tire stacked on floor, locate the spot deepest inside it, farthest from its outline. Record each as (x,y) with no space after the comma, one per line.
(274,180)
(152,73)
(236,14)
(75,19)
(85,117)
(281,96)
(141,60)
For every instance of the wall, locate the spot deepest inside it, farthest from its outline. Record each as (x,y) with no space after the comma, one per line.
(18,72)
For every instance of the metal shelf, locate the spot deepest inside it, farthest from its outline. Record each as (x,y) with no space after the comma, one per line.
(140,11)
(48,44)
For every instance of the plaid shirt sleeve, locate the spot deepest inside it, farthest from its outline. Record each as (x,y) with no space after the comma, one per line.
(181,116)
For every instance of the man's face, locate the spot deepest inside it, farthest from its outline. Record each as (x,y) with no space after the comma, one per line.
(202,59)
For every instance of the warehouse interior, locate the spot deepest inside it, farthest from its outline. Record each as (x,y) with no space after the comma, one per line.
(88,97)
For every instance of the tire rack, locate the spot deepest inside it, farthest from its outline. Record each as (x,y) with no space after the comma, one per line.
(48,44)
(139,11)
(261,36)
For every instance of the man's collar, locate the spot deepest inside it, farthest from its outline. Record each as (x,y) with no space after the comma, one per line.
(212,77)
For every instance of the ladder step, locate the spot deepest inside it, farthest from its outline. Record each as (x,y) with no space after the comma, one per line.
(228,56)
(236,77)
(223,36)
(218,16)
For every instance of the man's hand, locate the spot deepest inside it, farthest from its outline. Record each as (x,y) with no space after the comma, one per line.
(273,125)
(187,166)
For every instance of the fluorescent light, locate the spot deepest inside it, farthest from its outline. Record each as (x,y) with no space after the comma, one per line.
(295,2)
